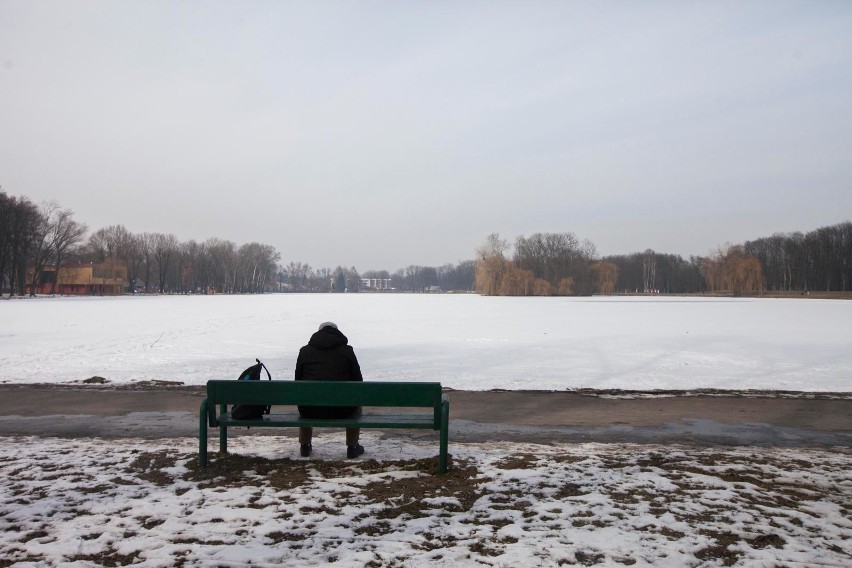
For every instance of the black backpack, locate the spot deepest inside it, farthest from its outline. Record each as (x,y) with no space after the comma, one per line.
(251,411)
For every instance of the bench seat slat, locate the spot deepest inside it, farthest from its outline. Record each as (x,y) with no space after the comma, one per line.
(292,419)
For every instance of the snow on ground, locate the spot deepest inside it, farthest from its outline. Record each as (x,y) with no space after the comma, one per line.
(145,503)
(464,341)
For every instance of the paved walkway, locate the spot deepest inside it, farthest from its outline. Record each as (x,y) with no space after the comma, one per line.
(725,419)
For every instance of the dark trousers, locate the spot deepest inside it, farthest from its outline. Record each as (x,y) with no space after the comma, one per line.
(352,434)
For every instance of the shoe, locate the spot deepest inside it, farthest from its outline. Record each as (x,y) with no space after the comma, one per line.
(354,451)
(305,450)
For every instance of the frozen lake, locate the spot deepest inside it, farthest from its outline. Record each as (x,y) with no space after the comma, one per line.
(464,341)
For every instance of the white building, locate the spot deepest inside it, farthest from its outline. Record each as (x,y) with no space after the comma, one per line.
(375,283)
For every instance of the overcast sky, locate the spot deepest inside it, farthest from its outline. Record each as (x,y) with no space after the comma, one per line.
(382,134)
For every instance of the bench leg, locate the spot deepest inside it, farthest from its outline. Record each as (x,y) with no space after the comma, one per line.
(202,434)
(223,440)
(445,437)
(223,434)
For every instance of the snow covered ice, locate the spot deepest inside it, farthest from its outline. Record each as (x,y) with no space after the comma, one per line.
(464,341)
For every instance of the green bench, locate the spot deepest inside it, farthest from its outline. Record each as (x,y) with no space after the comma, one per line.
(221,394)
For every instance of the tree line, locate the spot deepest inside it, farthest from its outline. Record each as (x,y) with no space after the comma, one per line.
(818,260)
(544,264)
(47,235)
(300,277)
(38,236)
(547,264)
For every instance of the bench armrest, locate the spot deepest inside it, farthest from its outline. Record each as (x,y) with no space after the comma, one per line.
(208,413)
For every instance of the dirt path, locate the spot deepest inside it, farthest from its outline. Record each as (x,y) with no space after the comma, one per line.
(710,418)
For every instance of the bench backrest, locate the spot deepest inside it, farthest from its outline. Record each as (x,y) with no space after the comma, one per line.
(325,393)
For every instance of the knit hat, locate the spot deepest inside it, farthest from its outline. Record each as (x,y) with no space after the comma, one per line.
(327,324)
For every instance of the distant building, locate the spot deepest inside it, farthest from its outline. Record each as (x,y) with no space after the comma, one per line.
(375,283)
(108,278)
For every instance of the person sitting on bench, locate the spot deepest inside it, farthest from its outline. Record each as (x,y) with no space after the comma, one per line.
(328,357)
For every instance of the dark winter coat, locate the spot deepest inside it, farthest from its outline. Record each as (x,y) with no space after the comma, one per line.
(327,357)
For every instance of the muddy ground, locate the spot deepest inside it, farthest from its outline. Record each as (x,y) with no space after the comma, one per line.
(162,410)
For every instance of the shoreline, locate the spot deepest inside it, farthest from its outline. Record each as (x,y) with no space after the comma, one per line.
(674,393)
(156,385)
(690,417)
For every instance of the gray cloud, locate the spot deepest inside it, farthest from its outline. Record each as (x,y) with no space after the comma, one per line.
(384,134)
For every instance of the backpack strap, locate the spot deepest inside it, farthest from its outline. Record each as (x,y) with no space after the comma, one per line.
(264,368)
(266,408)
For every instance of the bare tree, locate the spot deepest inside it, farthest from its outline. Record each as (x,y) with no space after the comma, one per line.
(558,258)
(113,241)
(145,250)
(193,273)
(297,275)
(20,221)
(137,257)
(606,276)
(649,271)
(734,271)
(41,251)
(456,277)
(164,249)
(353,280)
(66,233)
(490,265)
(7,212)
(321,280)
(222,259)
(257,264)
